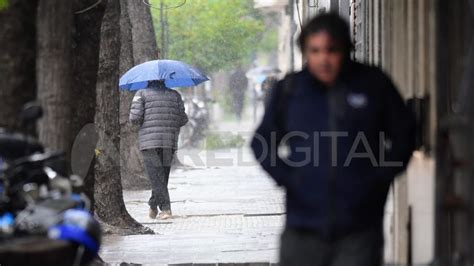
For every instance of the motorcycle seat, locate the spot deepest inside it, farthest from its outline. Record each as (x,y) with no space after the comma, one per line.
(15,145)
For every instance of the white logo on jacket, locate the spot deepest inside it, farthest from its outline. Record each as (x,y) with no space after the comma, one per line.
(357,100)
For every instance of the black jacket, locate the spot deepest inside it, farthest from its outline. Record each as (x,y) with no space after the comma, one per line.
(343,143)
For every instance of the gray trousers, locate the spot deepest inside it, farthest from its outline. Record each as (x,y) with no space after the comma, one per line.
(301,248)
(158,165)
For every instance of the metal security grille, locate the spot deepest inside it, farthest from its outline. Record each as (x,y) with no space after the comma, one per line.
(359,31)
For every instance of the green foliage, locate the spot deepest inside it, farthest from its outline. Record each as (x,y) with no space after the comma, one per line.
(216,140)
(213,35)
(269,40)
(3,4)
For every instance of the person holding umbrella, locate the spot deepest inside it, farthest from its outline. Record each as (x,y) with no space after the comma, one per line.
(159,112)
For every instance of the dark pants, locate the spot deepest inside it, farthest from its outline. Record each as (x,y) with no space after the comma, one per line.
(300,248)
(158,166)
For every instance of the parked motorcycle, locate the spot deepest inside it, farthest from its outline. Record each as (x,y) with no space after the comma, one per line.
(38,197)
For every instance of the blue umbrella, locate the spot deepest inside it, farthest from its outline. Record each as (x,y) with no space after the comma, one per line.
(174,73)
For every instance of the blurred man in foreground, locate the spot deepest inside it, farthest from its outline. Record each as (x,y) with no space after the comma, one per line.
(348,134)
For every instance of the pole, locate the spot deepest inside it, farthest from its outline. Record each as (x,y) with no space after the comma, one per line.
(163,25)
(291,10)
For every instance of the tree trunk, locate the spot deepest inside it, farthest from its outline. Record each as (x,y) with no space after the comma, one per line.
(139,45)
(132,169)
(143,33)
(108,195)
(17,59)
(85,60)
(54,72)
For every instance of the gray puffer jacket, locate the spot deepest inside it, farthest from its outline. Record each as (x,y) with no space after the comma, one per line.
(160,113)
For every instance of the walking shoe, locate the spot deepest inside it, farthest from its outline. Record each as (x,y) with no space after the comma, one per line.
(152,213)
(164,215)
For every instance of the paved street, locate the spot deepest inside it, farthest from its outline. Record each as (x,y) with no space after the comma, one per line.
(221,214)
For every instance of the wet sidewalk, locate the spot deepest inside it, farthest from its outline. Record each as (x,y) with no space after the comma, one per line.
(221,214)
